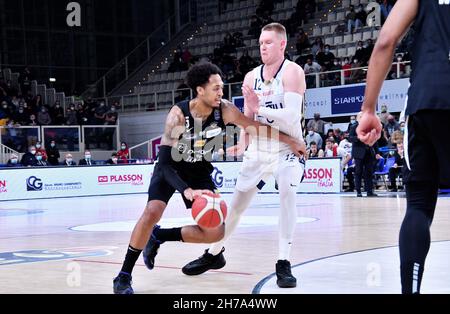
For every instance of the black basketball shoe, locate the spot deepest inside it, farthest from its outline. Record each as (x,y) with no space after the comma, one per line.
(122,284)
(151,249)
(204,263)
(284,275)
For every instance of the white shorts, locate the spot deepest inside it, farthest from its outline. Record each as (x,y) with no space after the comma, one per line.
(258,166)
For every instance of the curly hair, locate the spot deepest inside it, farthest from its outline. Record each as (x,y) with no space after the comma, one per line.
(198,74)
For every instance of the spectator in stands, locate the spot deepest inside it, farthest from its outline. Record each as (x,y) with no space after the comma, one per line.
(32,121)
(401,67)
(335,77)
(396,169)
(345,144)
(41,150)
(113,160)
(43,117)
(367,51)
(385,8)
(333,150)
(384,114)
(13,161)
(82,115)
(360,17)
(29,158)
(38,102)
(4,111)
(325,58)
(330,134)
(317,46)
(350,19)
(87,160)
(313,151)
(53,154)
(186,56)
(391,126)
(255,26)
(311,68)
(357,74)
(20,117)
(313,137)
(317,124)
(25,79)
(346,66)
(352,121)
(302,41)
(246,62)
(100,113)
(123,154)
(40,160)
(68,161)
(71,115)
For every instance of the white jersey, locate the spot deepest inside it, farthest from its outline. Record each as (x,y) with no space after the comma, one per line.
(271,94)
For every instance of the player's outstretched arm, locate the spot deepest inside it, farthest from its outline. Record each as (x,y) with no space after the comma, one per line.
(232,115)
(294,86)
(398,22)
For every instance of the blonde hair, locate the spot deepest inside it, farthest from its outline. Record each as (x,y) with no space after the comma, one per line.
(277,28)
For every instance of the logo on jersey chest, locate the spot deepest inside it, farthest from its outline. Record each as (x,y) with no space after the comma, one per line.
(444,2)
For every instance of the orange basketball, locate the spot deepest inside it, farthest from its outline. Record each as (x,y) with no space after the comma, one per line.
(209,211)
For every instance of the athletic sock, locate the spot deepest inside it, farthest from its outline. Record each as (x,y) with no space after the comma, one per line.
(130,260)
(172,234)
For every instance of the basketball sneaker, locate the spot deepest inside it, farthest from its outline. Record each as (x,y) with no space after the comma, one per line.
(284,275)
(151,249)
(122,284)
(204,263)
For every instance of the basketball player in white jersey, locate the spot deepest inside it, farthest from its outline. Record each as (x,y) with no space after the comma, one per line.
(273,94)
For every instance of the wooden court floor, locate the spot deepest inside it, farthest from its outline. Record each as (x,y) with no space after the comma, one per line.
(77,245)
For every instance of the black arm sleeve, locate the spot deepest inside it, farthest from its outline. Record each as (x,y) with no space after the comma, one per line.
(170,174)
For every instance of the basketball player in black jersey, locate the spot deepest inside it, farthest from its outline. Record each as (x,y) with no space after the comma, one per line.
(184,165)
(427,126)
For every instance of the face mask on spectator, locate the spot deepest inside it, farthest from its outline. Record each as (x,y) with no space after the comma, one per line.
(327,50)
(123,147)
(38,145)
(402,129)
(352,121)
(52,144)
(399,59)
(39,158)
(87,156)
(14,160)
(43,110)
(69,160)
(5,106)
(113,109)
(336,63)
(114,159)
(20,110)
(33,151)
(355,61)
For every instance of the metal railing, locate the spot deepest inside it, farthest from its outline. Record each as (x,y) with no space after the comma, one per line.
(162,100)
(5,153)
(74,138)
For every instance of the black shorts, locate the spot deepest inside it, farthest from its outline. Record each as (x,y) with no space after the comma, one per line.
(428,150)
(160,190)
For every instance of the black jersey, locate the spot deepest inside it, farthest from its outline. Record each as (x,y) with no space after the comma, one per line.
(199,141)
(430,77)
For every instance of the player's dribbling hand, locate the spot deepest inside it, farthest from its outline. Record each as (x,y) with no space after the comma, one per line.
(369,128)
(191,194)
(250,98)
(298,148)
